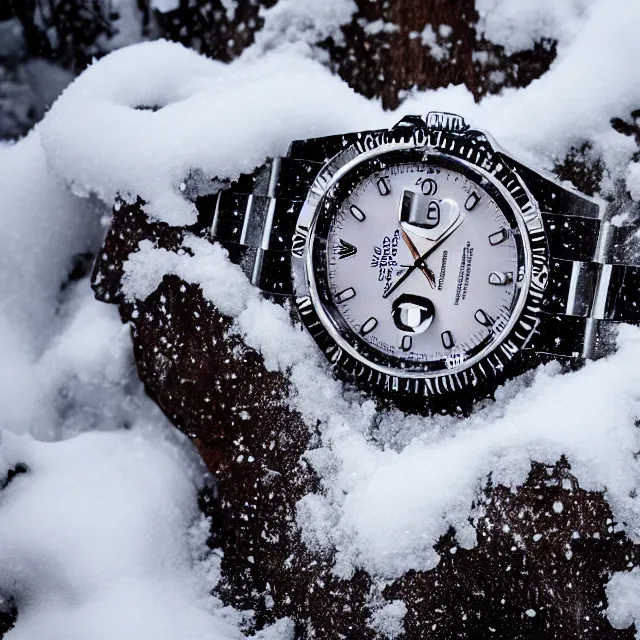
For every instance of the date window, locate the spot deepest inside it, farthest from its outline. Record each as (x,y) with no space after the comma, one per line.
(414,214)
(426,216)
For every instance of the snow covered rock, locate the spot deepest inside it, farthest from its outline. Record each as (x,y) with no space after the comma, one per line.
(334,512)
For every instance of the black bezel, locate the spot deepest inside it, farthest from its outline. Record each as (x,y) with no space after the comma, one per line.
(474,151)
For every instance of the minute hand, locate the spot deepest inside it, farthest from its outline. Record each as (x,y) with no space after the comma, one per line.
(421,260)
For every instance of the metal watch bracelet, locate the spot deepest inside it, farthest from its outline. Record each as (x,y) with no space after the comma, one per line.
(593,284)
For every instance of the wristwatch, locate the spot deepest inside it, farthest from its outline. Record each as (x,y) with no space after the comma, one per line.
(424,260)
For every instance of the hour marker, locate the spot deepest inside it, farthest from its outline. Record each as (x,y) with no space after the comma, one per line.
(357,213)
(447,339)
(483,318)
(345,295)
(472,201)
(384,186)
(500,278)
(346,250)
(429,187)
(498,237)
(368,326)
(407,343)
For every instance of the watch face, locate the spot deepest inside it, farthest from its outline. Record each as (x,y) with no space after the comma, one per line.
(418,264)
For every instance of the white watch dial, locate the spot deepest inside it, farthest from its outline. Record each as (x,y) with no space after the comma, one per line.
(455,303)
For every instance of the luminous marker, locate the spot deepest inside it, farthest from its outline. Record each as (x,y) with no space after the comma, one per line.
(368,326)
(472,201)
(346,250)
(384,187)
(407,343)
(447,339)
(498,237)
(500,278)
(357,213)
(483,318)
(345,295)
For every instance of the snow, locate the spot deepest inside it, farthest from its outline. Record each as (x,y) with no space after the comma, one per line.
(594,406)
(633,180)
(594,77)
(430,39)
(204,105)
(378,26)
(230,7)
(388,619)
(102,536)
(164,6)
(518,24)
(297,26)
(623,594)
(123,551)
(113,558)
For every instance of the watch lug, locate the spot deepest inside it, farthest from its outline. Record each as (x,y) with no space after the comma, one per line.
(554,197)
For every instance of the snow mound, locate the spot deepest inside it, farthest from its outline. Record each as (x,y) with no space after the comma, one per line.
(518,25)
(147,119)
(99,538)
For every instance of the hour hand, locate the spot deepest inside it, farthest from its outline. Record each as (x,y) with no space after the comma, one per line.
(428,217)
(428,274)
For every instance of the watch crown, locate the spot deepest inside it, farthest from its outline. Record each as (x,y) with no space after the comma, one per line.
(443,121)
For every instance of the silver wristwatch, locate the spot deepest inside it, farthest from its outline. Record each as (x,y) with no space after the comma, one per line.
(425,260)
